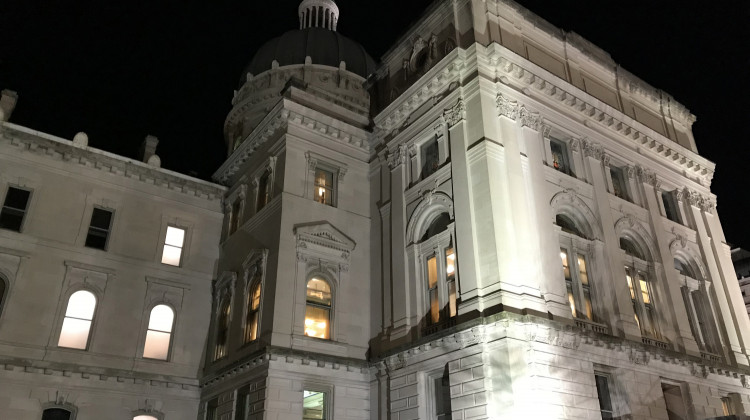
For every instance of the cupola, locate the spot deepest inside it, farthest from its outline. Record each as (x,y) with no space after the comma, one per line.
(318,14)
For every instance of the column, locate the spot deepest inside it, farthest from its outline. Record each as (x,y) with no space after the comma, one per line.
(402,318)
(622,317)
(671,307)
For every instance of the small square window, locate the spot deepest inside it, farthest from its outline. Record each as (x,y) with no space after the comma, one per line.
(173,243)
(560,158)
(99,229)
(324,186)
(314,405)
(619,183)
(14,209)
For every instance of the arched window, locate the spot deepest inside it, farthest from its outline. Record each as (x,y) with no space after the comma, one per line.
(318,309)
(637,274)
(79,315)
(159,334)
(57,414)
(441,266)
(145,417)
(253,309)
(222,329)
(575,256)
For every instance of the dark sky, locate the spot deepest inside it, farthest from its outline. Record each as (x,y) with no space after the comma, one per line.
(119,70)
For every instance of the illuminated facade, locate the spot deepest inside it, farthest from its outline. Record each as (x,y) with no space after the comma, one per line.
(497,221)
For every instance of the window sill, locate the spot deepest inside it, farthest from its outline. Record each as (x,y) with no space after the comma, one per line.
(711,357)
(656,343)
(592,326)
(432,329)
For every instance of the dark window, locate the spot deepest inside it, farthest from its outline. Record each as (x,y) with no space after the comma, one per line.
(438,225)
(443,396)
(631,249)
(568,225)
(605,397)
(56,414)
(14,209)
(101,221)
(670,207)
(222,330)
(560,156)
(264,190)
(676,409)
(234,218)
(211,409)
(619,183)
(430,158)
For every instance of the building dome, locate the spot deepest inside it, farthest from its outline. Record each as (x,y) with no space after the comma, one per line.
(323,46)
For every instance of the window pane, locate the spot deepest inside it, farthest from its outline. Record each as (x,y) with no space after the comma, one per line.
(14,209)
(431,272)
(162,317)
(171,255)
(157,345)
(605,399)
(630,286)
(145,418)
(587,303)
(313,405)
(583,273)
(317,322)
(175,236)
(81,305)
(56,414)
(644,291)
(17,198)
(452,298)
(559,156)
(434,306)
(319,292)
(74,333)
(101,218)
(565,264)
(252,327)
(450,262)
(324,186)
(571,298)
(430,158)
(255,298)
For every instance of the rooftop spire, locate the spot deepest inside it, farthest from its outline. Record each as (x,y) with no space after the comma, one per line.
(318,14)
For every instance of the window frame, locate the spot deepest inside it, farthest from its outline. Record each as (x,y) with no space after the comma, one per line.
(565,153)
(639,270)
(575,245)
(437,246)
(620,174)
(225,301)
(325,389)
(109,230)
(63,316)
(250,287)
(671,205)
(337,169)
(70,408)
(332,188)
(432,393)
(183,248)
(331,308)
(171,333)
(25,211)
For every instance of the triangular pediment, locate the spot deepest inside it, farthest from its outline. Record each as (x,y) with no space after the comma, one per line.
(324,234)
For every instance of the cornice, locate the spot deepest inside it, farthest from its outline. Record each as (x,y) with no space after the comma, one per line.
(518,72)
(286,112)
(66,151)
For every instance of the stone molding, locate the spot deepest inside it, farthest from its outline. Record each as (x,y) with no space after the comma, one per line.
(702,202)
(64,151)
(455,114)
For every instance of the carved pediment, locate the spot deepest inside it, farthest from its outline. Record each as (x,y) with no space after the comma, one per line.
(323,236)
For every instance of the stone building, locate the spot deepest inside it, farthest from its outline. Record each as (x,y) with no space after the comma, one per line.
(741,260)
(495,221)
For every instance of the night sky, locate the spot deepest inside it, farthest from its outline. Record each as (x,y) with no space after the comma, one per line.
(124,69)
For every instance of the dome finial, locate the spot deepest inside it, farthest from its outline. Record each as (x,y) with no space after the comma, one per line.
(318,14)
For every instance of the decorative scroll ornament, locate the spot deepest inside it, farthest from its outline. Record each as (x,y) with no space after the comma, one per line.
(592,149)
(631,172)
(440,126)
(575,145)
(693,198)
(605,159)
(530,119)
(546,131)
(312,163)
(699,371)
(506,107)
(456,114)
(398,157)
(639,357)
(647,177)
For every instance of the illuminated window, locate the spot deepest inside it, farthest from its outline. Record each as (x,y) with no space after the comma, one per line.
(145,417)
(318,309)
(173,244)
(324,187)
(159,334)
(79,315)
(253,310)
(99,229)
(440,269)
(222,329)
(314,405)
(14,209)
(637,275)
(575,255)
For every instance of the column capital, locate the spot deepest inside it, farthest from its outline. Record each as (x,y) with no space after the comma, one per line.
(456,114)
(507,107)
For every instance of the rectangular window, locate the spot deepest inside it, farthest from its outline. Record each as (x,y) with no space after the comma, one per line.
(560,156)
(212,408)
(619,183)
(605,396)
(324,188)
(430,157)
(450,270)
(584,277)
(14,209)
(264,190)
(671,208)
(568,280)
(98,235)
(314,405)
(432,285)
(173,243)
(234,218)
(442,397)
(676,409)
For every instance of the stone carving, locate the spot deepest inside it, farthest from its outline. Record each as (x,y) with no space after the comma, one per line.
(639,357)
(440,126)
(546,131)
(398,156)
(312,163)
(575,145)
(631,172)
(693,198)
(647,177)
(605,159)
(699,371)
(506,107)
(396,362)
(456,114)
(592,149)
(530,119)
(424,55)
